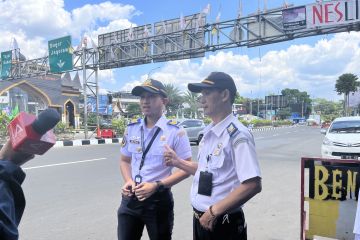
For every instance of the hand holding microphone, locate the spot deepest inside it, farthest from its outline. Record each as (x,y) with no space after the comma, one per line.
(30,135)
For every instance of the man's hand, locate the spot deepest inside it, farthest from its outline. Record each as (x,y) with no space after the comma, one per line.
(128,187)
(18,158)
(208,221)
(171,158)
(145,190)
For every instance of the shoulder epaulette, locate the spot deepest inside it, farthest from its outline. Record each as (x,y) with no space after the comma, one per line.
(134,121)
(173,122)
(232,129)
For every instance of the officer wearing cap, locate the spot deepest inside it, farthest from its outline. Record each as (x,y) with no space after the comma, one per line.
(146,196)
(227,174)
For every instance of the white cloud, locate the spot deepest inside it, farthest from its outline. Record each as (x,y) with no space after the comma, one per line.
(34,22)
(308,68)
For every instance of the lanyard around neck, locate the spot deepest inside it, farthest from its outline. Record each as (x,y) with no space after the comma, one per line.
(148,146)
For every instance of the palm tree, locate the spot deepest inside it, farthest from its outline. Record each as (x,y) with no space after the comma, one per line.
(191,98)
(175,99)
(346,83)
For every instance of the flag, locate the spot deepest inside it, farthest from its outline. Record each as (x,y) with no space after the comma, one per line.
(207,9)
(217,20)
(286,5)
(146,32)
(240,9)
(84,41)
(182,22)
(198,23)
(93,44)
(214,30)
(15,44)
(130,33)
(145,47)
(71,49)
(15,50)
(164,27)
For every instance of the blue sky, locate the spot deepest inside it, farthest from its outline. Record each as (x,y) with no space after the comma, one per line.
(309,64)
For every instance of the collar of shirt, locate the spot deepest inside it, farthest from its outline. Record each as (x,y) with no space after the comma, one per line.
(161,123)
(219,128)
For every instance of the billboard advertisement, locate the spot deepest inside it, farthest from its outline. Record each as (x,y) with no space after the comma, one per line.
(332,13)
(294,18)
(104,107)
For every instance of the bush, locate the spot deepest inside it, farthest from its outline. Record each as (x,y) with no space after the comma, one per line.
(4,122)
(282,123)
(119,125)
(207,120)
(60,127)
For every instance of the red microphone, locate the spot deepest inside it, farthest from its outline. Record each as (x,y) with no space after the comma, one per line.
(33,135)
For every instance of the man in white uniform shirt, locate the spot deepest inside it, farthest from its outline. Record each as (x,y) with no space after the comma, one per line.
(227,174)
(147,199)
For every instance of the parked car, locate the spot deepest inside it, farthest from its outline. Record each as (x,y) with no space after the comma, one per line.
(193,128)
(342,139)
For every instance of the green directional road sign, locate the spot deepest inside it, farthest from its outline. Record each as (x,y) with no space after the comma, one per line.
(6,64)
(60,55)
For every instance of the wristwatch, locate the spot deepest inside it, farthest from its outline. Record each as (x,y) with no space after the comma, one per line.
(160,186)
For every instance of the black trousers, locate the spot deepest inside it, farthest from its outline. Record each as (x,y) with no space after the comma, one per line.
(227,227)
(156,213)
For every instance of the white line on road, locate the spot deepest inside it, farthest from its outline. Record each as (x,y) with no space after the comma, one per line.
(257,138)
(275,135)
(60,164)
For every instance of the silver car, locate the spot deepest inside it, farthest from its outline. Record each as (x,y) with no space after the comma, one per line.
(193,128)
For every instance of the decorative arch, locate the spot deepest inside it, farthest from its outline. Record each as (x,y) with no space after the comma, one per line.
(69,113)
(32,87)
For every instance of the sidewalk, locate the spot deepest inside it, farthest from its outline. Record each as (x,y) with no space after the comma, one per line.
(79,140)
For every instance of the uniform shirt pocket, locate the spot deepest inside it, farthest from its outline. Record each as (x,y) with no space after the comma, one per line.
(217,162)
(135,150)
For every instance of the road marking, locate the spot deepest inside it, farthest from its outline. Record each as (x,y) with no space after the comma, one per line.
(288,132)
(275,135)
(257,138)
(67,163)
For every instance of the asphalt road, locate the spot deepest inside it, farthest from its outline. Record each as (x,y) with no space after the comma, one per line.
(74,192)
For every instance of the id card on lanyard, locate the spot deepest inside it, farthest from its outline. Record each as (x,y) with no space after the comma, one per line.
(205,180)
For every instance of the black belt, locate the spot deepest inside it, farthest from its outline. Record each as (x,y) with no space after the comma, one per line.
(225,217)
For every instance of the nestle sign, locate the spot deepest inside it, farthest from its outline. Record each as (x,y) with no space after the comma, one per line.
(332,13)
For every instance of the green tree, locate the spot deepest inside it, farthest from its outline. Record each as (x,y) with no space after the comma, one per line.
(294,96)
(192,100)
(345,84)
(175,99)
(240,100)
(133,109)
(283,113)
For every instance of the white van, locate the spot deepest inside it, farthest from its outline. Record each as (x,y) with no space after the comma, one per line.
(342,139)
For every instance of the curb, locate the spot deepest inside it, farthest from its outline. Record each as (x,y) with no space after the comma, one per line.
(269,128)
(82,142)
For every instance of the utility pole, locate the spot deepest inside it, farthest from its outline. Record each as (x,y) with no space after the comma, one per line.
(85,92)
(302,108)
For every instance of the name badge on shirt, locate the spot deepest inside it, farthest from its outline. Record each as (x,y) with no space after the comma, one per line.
(134,140)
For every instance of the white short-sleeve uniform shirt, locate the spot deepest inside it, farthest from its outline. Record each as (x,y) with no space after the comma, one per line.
(232,160)
(154,168)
